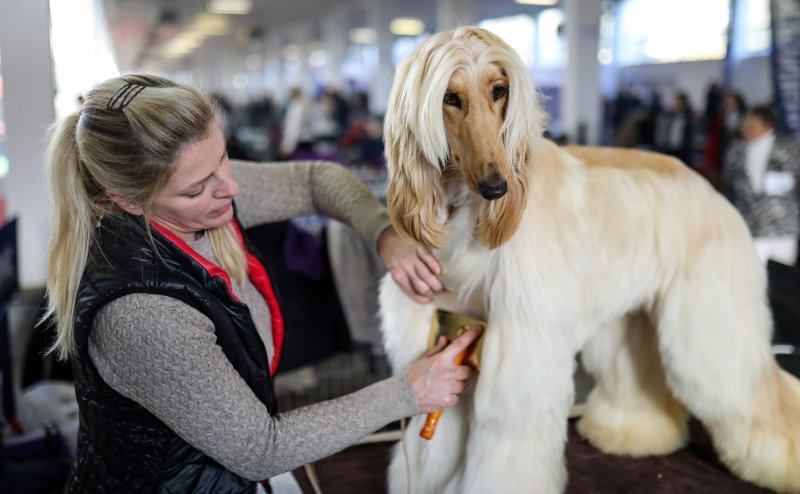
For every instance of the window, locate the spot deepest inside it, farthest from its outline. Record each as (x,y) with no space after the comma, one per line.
(661,31)
(3,158)
(753,29)
(551,50)
(519,31)
(81,45)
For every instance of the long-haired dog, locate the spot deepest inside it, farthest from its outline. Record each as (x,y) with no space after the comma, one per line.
(627,256)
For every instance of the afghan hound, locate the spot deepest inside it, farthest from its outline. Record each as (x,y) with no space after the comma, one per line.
(626,256)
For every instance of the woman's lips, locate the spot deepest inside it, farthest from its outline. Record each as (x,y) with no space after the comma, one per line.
(224,209)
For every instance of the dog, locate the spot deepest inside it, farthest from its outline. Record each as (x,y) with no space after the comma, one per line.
(625,256)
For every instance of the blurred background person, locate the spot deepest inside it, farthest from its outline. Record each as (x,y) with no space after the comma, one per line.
(675,128)
(297,137)
(722,129)
(760,175)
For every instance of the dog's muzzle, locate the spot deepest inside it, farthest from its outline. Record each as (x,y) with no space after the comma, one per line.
(491,190)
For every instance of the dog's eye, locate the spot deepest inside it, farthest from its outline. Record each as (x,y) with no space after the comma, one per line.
(452,99)
(499,92)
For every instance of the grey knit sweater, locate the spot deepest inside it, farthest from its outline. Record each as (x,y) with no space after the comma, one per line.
(163,354)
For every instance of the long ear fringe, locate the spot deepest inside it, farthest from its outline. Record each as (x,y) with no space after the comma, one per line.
(416,145)
(416,202)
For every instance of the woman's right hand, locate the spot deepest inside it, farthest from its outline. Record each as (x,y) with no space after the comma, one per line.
(436,380)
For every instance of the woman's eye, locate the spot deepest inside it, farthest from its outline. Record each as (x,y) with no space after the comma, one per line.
(196,194)
(452,99)
(499,91)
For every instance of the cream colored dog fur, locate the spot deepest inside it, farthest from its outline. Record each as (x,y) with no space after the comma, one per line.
(626,256)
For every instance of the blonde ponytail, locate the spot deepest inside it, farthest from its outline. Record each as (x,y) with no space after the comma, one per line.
(72,229)
(229,252)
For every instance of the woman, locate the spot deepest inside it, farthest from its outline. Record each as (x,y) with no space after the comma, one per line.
(169,317)
(761,176)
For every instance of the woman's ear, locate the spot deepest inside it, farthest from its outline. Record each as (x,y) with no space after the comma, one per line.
(128,205)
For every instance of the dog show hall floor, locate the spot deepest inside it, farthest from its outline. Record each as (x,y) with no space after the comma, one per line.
(694,469)
(361,469)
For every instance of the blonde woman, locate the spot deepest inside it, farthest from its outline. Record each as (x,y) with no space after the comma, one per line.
(168,315)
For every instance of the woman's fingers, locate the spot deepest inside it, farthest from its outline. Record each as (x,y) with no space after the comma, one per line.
(401,278)
(428,276)
(462,342)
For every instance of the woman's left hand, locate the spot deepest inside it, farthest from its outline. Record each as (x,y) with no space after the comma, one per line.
(411,265)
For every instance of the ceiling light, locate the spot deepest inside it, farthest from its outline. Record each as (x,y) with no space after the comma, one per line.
(363,36)
(407,26)
(292,52)
(240,81)
(318,58)
(537,2)
(229,6)
(253,61)
(210,24)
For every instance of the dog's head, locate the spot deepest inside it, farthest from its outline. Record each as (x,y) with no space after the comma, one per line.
(462,107)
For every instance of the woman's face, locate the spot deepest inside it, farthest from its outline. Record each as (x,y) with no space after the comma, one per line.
(199,192)
(753,128)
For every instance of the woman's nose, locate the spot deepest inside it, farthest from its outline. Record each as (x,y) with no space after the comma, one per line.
(227,188)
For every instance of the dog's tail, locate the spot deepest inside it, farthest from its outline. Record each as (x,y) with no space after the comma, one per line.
(764,446)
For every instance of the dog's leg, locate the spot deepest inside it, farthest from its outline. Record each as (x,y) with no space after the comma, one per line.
(405,325)
(432,465)
(630,411)
(714,335)
(522,400)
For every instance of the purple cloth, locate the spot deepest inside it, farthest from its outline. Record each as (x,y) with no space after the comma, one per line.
(303,253)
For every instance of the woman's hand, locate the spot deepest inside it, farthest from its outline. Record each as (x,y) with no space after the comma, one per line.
(411,265)
(436,380)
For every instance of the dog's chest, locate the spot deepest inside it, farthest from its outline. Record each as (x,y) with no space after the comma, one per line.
(466,263)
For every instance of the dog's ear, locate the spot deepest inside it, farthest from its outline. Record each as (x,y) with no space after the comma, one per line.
(499,219)
(416,202)
(416,146)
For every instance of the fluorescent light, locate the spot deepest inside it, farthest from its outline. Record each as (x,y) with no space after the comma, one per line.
(363,36)
(318,58)
(240,81)
(537,2)
(235,7)
(292,52)
(253,61)
(407,26)
(210,24)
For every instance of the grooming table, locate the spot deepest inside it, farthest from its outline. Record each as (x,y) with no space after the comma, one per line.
(692,470)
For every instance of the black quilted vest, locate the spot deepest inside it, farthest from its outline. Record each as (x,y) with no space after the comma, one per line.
(122,448)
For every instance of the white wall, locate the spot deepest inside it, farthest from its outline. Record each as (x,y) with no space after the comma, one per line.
(753,77)
(28,100)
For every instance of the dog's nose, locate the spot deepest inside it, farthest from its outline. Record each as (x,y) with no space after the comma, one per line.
(491,190)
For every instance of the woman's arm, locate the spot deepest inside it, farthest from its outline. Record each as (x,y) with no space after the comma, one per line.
(163,354)
(280,191)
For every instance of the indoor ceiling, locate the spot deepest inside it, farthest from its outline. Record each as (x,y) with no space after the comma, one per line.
(141,30)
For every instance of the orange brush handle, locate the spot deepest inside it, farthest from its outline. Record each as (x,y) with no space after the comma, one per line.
(433,418)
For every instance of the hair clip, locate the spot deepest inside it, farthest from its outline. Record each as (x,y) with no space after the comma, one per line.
(123,96)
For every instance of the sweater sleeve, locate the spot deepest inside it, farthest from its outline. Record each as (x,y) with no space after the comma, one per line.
(280,191)
(163,354)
